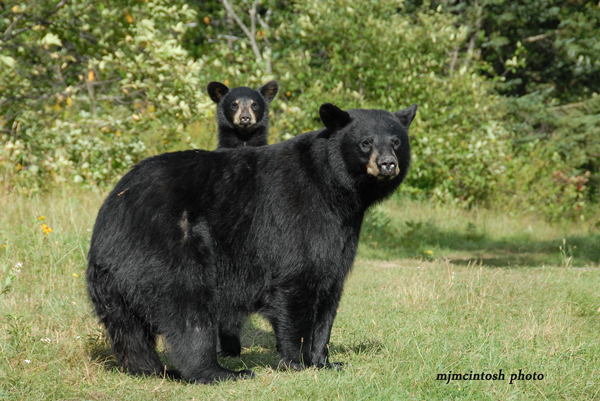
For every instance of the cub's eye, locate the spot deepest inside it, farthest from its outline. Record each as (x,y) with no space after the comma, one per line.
(395,142)
(366,145)
(254,106)
(234,106)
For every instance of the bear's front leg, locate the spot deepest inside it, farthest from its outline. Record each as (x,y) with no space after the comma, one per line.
(292,314)
(326,313)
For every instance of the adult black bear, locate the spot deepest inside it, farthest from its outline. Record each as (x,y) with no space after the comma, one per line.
(242,113)
(188,240)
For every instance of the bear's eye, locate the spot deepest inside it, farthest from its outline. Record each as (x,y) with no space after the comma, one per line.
(234,106)
(365,145)
(395,142)
(254,106)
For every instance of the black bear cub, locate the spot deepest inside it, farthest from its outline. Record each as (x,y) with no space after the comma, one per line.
(189,241)
(243,120)
(242,113)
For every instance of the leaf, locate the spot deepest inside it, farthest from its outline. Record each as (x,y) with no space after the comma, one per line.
(9,61)
(128,16)
(50,39)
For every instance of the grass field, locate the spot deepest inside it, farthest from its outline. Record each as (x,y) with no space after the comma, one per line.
(435,289)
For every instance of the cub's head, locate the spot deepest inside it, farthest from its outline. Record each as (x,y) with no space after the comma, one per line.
(374,143)
(243,107)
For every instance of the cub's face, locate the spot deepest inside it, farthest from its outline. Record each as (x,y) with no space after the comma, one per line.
(243,107)
(374,143)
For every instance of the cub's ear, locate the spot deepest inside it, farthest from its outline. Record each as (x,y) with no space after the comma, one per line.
(407,115)
(216,91)
(269,90)
(333,117)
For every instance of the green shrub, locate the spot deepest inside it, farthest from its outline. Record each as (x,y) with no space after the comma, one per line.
(87,90)
(373,55)
(84,86)
(555,152)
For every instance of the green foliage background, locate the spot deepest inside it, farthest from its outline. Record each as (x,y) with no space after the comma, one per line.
(507,93)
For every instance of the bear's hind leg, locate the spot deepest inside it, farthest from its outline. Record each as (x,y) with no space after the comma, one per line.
(194,354)
(135,346)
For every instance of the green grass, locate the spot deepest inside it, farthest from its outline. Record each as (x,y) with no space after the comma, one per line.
(401,322)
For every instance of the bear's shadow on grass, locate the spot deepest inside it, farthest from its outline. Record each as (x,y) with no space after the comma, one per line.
(579,251)
(99,350)
(474,245)
(258,350)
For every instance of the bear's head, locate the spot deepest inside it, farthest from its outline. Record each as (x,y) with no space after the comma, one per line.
(243,107)
(373,143)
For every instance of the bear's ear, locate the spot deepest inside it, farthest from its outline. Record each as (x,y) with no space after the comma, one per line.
(269,90)
(333,117)
(407,115)
(216,91)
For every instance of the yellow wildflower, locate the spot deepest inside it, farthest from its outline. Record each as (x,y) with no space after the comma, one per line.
(47,230)
(41,218)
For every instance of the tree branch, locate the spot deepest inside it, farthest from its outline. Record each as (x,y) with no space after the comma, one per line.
(20,31)
(10,28)
(536,37)
(475,29)
(454,58)
(219,37)
(249,35)
(265,25)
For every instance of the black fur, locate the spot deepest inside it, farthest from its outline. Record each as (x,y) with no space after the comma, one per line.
(188,240)
(251,103)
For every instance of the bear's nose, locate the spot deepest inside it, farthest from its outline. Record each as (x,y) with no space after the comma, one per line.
(387,165)
(245,120)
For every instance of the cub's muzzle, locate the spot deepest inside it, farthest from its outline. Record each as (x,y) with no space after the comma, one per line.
(245,121)
(244,117)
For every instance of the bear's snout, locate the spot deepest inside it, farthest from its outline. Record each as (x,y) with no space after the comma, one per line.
(388,166)
(245,120)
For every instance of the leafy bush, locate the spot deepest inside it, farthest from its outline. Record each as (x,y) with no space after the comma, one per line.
(556,151)
(88,90)
(531,45)
(84,83)
(386,59)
